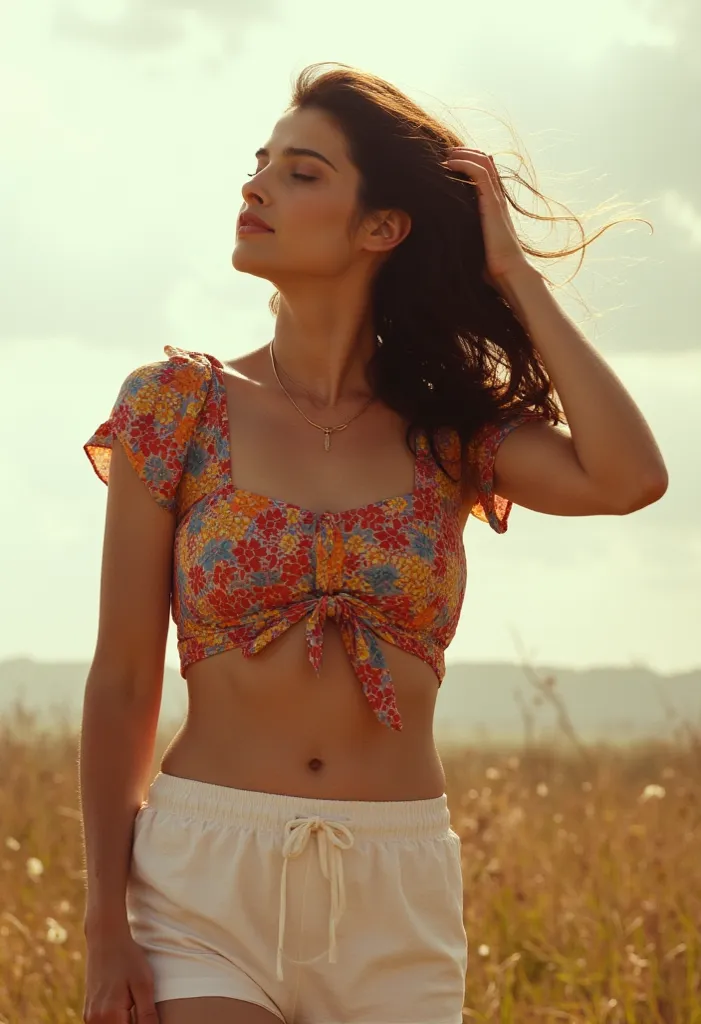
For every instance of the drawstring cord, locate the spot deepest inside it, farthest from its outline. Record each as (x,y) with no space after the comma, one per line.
(332,838)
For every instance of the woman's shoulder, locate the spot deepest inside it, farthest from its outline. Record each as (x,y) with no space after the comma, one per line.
(154,416)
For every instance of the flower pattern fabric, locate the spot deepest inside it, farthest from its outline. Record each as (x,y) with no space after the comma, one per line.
(248,567)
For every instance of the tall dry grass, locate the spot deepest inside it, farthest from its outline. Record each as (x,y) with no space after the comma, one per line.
(582,871)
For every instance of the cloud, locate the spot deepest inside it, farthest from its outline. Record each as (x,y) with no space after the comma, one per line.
(162,24)
(618,125)
(682,16)
(120,189)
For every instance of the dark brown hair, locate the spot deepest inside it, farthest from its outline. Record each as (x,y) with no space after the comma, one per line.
(452,352)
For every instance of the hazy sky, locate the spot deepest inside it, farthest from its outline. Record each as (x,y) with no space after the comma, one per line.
(125,137)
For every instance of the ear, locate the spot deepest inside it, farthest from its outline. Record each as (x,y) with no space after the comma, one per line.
(386,230)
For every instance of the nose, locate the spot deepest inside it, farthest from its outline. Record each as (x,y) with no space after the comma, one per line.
(254,192)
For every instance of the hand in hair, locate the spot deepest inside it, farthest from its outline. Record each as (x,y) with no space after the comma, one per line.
(503,253)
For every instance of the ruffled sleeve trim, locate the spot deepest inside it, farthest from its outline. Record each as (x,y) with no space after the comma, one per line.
(154,416)
(491,508)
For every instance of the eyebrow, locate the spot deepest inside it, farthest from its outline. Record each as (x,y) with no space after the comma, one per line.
(296,151)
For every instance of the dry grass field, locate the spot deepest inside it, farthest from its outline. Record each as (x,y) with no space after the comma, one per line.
(582,871)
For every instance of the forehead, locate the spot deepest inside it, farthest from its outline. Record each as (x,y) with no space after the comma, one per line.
(311,129)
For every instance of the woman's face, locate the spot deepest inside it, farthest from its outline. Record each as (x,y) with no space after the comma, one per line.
(307,200)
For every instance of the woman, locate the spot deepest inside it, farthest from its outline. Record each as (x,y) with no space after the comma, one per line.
(293,858)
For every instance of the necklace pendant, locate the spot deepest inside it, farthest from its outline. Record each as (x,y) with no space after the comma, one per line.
(327,439)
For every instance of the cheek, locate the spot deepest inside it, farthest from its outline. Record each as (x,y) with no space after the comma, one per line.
(322,218)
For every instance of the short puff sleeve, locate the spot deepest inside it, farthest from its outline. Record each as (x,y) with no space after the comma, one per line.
(492,508)
(154,417)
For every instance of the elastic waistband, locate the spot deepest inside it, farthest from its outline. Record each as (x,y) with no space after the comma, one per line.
(379,819)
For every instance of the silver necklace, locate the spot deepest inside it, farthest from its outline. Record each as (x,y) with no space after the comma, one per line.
(328,431)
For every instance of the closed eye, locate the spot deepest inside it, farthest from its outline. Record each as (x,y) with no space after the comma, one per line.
(302,177)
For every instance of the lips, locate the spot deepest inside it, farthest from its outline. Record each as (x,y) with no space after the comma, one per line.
(250,220)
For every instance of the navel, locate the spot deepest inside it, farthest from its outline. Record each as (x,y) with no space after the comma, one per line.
(315,764)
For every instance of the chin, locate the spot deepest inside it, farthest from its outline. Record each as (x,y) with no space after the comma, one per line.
(249,262)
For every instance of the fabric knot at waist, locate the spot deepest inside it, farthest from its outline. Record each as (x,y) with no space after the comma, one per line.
(363,649)
(332,838)
(329,607)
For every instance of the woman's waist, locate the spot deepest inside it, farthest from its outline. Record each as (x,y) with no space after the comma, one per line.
(279,685)
(285,772)
(274,724)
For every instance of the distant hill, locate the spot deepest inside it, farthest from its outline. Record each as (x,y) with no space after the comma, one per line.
(618,704)
(478,702)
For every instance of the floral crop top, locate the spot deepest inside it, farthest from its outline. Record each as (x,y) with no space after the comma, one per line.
(247,567)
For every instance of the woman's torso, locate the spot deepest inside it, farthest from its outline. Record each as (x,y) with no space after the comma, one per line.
(269,722)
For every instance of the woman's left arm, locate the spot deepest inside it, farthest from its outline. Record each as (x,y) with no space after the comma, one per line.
(608,462)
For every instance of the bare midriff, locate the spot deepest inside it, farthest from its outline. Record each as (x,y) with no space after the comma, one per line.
(269,723)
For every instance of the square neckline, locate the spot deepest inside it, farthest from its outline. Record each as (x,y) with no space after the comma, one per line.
(223,411)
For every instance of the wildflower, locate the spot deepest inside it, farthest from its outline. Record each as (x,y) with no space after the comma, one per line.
(652,792)
(34,867)
(541,789)
(493,774)
(483,950)
(638,962)
(56,932)
(515,816)
(11,843)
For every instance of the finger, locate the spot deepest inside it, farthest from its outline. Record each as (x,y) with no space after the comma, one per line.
(483,174)
(146,1015)
(480,175)
(459,150)
(144,1007)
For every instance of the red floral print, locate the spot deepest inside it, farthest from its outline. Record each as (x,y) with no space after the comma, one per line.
(247,567)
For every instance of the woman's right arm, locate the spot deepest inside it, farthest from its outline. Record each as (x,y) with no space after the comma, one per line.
(123,692)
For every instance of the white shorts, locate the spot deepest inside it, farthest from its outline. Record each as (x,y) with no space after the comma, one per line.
(321,911)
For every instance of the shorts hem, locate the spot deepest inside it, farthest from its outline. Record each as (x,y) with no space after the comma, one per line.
(201,989)
(379,1020)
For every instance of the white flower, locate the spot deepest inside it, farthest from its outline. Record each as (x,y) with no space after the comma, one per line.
(493,773)
(34,867)
(56,932)
(515,816)
(541,789)
(483,950)
(652,792)
(11,843)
